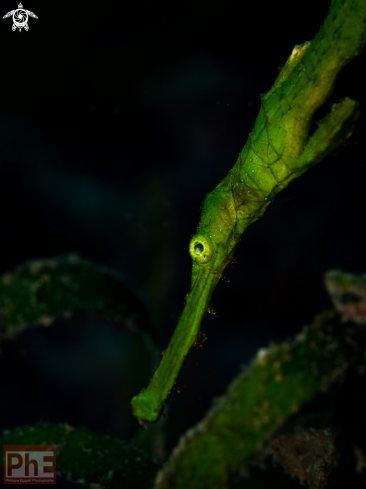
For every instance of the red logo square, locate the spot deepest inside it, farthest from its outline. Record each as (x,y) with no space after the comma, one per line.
(29,464)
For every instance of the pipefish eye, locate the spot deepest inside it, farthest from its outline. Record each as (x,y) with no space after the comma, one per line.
(200,249)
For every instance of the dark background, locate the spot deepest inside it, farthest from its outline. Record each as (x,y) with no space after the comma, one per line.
(116,120)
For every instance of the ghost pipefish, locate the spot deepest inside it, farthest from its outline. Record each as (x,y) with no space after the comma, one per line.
(279,149)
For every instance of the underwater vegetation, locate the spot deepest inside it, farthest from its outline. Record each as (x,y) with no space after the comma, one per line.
(295,415)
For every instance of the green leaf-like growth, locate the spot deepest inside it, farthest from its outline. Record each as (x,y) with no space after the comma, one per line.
(278,150)
(280,380)
(87,457)
(38,292)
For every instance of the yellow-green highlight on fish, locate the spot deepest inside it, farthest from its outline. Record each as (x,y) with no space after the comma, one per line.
(279,149)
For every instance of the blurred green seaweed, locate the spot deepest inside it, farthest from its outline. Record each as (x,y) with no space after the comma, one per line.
(88,457)
(39,291)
